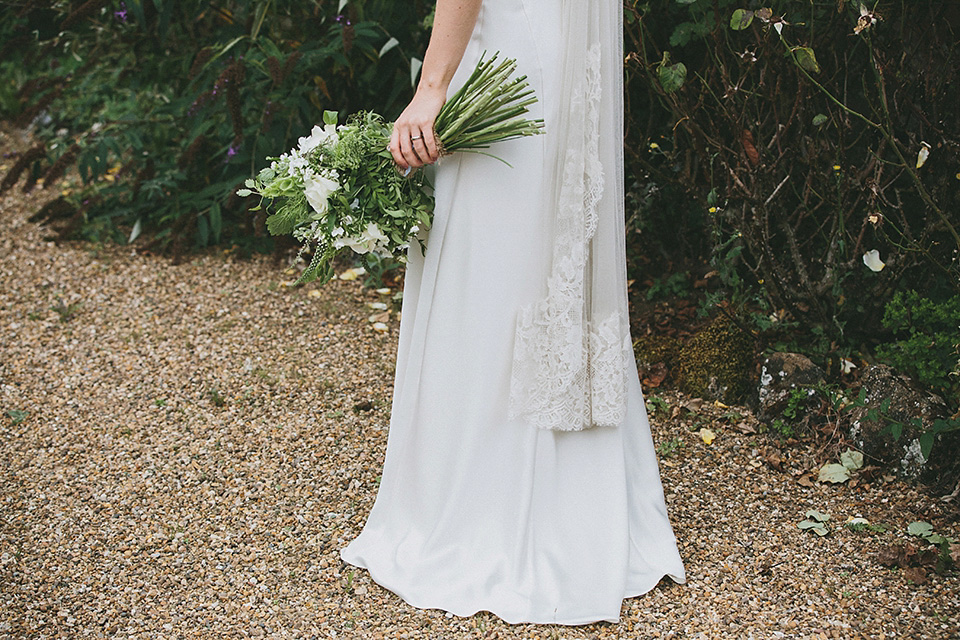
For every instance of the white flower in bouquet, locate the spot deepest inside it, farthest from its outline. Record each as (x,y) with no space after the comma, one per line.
(317,189)
(318,136)
(339,188)
(370,240)
(296,164)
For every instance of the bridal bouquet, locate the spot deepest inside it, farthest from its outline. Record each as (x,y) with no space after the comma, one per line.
(340,189)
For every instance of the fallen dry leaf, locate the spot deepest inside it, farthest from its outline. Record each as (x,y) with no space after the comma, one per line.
(748,147)
(694,405)
(916,575)
(744,427)
(707,436)
(654,376)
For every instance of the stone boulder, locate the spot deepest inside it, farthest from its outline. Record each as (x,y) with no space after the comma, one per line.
(780,375)
(907,405)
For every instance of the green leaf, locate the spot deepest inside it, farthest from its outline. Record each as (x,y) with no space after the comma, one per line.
(896,430)
(330,117)
(819,120)
(415,64)
(926,444)
(851,459)
(835,473)
(216,222)
(920,529)
(243,193)
(807,59)
(135,232)
(741,19)
(203,231)
(672,76)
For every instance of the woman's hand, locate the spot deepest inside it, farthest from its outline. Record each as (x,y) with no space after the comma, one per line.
(413,143)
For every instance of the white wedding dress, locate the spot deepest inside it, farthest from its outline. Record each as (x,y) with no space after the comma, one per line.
(477,510)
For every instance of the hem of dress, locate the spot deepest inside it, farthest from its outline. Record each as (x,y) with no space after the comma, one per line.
(645,587)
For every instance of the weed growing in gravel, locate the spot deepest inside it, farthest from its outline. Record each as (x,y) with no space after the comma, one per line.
(656,404)
(216,398)
(17,416)
(670,447)
(65,311)
(860,525)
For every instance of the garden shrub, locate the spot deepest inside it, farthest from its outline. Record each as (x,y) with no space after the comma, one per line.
(165,108)
(806,134)
(927,341)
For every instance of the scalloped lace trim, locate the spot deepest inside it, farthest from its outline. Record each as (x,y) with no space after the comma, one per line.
(569,369)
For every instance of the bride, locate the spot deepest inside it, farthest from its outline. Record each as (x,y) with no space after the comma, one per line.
(520,475)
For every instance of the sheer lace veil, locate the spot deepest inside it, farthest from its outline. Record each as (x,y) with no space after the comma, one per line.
(569,369)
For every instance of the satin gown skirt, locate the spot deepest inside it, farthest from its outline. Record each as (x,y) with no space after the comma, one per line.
(476,511)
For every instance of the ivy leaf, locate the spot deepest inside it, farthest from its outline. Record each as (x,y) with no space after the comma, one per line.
(819,120)
(835,473)
(741,19)
(920,529)
(807,59)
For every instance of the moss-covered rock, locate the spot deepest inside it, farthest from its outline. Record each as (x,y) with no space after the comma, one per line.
(718,363)
(652,350)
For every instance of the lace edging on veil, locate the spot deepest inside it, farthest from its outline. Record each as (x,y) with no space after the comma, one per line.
(569,354)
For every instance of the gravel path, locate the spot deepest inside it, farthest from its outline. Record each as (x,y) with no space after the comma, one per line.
(200,440)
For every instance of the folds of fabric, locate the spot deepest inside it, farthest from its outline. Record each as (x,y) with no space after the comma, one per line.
(477,510)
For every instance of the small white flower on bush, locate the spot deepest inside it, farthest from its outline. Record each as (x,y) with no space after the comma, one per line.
(318,136)
(872,260)
(317,189)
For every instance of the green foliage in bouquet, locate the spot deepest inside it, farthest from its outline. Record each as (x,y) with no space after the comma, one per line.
(355,183)
(340,189)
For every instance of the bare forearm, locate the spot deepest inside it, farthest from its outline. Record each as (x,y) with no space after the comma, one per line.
(413,143)
(453,23)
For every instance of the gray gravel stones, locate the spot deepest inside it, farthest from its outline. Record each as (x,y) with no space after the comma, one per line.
(201,440)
